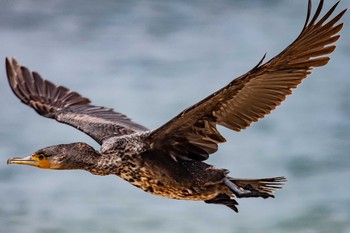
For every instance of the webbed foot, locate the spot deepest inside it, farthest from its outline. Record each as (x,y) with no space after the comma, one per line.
(254,187)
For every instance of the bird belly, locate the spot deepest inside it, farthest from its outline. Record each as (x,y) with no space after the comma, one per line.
(173,191)
(160,183)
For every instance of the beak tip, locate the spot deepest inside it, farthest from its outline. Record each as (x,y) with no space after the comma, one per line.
(18,160)
(23,161)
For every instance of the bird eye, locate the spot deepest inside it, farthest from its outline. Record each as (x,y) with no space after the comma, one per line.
(41,157)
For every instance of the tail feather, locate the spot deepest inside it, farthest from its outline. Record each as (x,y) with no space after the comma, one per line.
(264,185)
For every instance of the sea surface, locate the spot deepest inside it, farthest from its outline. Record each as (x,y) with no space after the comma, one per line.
(150,60)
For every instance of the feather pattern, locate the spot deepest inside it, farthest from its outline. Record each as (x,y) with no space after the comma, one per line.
(193,135)
(69,107)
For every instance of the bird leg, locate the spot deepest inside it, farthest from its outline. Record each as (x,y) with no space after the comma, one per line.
(248,191)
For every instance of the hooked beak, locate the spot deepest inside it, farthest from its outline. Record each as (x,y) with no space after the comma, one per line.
(24,161)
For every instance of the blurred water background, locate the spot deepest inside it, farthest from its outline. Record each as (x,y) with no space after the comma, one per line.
(150,60)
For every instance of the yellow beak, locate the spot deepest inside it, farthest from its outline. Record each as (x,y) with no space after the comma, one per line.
(29,160)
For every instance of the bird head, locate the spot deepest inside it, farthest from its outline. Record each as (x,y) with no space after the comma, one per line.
(64,156)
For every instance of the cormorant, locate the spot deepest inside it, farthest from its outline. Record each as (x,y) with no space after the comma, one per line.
(168,161)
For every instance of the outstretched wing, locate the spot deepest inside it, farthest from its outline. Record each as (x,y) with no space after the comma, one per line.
(193,134)
(58,102)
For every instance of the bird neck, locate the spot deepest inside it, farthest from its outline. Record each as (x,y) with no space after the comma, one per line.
(86,162)
(80,156)
(104,164)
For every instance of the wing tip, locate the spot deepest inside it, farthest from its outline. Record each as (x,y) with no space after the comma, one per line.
(8,66)
(11,66)
(38,93)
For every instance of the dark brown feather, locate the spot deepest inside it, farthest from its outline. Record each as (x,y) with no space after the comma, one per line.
(58,102)
(252,95)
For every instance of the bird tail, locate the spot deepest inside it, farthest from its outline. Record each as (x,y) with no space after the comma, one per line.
(264,187)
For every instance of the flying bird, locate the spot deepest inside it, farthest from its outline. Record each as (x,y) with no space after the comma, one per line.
(169,161)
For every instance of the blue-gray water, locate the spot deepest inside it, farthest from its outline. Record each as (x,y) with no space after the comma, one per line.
(150,60)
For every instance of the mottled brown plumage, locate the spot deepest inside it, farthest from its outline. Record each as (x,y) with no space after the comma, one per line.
(168,161)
